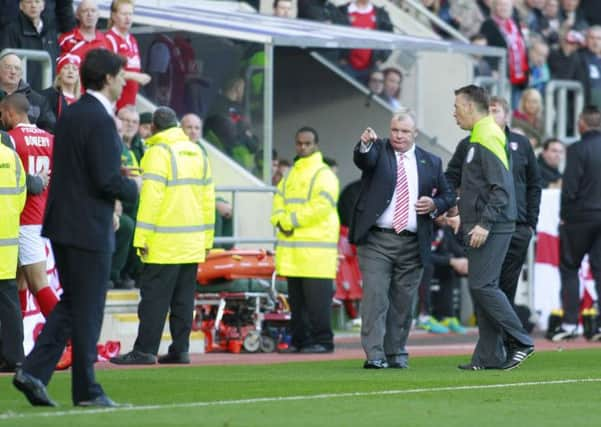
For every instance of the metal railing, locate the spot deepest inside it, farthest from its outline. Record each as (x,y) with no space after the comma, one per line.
(556,108)
(418,7)
(235,238)
(40,56)
(494,86)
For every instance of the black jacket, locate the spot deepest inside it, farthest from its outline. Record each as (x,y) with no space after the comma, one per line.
(525,170)
(581,187)
(346,202)
(86,179)
(21,34)
(583,73)
(592,11)
(378,180)
(39,111)
(547,173)
(57,13)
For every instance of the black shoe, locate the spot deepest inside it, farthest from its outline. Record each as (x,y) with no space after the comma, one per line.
(134,357)
(33,389)
(125,283)
(517,356)
(375,364)
(471,367)
(102,401)
(173,358)
(316,348)
(290,349)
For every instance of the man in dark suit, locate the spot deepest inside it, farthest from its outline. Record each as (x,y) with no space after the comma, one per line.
(403,188)
(580,229)
(79,222)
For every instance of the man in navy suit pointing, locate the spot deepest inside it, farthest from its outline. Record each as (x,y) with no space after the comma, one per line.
(402,189)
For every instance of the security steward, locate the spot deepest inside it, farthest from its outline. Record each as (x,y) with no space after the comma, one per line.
(488,212)
(528,188)
(12,201)
(174,229)
(304,213)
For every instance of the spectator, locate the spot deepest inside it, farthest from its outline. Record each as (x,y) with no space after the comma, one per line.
(283,8)
(124,221)
(563,62)
(375,83)
(85,37)
(11,73)
(166,211)
(530,12)
(229,129)
(66,89)
(467,16)
(363,14)
(57,13)
(549,161)
(551,24)
(503,30)
(192,127)
(589,66)
(529,116)
(131,124)
(572,15)
(539,70)
(580,225)
(11,205)
(29,31)
(481,65)
(306,250)
(145,129)
(126,45)
(393,81)
(282,169)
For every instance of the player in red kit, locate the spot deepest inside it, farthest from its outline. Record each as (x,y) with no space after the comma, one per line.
(123,43)
(34,147)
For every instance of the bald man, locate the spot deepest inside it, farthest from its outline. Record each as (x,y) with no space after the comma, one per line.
(192,126)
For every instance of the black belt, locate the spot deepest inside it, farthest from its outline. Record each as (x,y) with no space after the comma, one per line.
(390,230)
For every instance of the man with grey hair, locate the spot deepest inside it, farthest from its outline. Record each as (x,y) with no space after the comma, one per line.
(402,189)
(174,229)
(11,81)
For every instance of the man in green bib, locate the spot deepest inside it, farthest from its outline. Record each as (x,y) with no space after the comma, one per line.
(488,212)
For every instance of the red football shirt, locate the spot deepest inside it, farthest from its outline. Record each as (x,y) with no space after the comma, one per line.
(360,59)
(128,48)
(34,147)
(74,43)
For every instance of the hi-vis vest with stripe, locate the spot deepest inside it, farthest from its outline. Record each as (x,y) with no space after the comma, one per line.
(12,200)
(176,215)
(487,133)
(306,203)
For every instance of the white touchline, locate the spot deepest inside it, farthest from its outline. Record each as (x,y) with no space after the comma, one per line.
(10,415)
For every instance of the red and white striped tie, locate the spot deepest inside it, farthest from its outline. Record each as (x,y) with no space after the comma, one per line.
(401,205)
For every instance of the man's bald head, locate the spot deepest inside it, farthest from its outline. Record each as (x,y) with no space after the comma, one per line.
(192,126)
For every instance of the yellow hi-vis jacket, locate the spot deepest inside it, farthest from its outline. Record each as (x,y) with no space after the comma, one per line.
(176,215)
(306,203)
(12,200)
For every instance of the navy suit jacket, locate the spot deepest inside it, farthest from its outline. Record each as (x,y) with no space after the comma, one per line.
(378,181)
(86,178)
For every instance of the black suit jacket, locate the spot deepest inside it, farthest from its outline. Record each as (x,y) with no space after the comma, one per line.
(377,188)
(86,178)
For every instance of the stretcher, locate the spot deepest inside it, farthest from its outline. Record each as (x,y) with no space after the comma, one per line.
(240,303)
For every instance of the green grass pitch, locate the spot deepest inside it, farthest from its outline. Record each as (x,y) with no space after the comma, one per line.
(550,389)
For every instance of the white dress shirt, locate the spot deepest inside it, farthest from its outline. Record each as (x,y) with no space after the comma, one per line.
(103,100)
(410,163)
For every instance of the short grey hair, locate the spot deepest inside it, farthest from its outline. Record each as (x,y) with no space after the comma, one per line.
(404,113)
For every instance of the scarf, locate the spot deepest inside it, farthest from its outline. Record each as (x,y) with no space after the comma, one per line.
(516,51)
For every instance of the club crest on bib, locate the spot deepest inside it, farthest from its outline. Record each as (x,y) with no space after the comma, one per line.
(470,155)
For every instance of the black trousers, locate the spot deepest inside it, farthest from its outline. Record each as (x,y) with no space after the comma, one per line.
(11,322)
(311,311)
(577,240)
(166,288)
(514,260)
(78,315)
